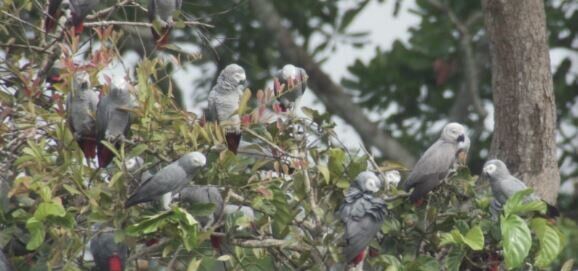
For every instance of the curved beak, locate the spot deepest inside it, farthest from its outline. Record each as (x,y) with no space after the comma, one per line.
(461,138)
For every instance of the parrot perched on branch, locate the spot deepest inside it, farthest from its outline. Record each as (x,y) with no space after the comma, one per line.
(108,255)
(504,185)
(78,11)
(362,213)
(170,179)
(113,120)
(438,161)
(290,84)
(162,11)
(224,100)
(81,106)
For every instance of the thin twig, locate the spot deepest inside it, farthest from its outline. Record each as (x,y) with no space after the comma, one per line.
(138,24)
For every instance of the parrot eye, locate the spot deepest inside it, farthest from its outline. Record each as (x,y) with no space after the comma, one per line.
(490,169)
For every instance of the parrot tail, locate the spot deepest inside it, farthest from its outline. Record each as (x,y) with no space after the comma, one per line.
(233,141)
(216,242)
(114,263)
(105,155)
(78,23)
(283,108)
(88,146)
(51,20)
(359,258)
(162,38)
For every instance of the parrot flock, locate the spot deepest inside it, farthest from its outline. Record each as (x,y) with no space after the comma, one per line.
(95,119)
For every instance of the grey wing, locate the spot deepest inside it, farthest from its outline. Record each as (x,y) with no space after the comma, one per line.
(511,185)
(358,235)
(4,263)
(92,100)
(212,113)
(200,194)
(69,112)
(102,117)
(152,8)
(84,7)
(170,178)
(431,168)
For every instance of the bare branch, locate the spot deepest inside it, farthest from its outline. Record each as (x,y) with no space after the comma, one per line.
(267,243)
(336,100)
(138,24)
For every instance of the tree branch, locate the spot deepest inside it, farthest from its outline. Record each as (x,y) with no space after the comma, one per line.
(331,94)
(268,243)
(138,24)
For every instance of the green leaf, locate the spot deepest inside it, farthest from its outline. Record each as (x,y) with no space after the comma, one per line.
(549,240)
(516,239)
(336,159)
(567,266)
(46,209)
(454,259)
(475,238)
(37,233)
(194,264)
(149,224)
(519,204)
(324,172)
(453,237)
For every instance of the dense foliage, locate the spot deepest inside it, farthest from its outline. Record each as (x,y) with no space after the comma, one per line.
(55,198)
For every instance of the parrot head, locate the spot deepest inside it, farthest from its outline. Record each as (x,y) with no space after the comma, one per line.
(81,81)
(197,159)
(368,181)
(233,75)
(455,133)
(495,169)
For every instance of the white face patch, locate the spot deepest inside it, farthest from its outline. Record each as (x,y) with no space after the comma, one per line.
(288,71)
(372,185)
(392,177)
(240,77)
(198,159)
(490,169)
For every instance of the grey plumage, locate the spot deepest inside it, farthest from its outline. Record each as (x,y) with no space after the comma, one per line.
(81,106)
(224,100)
(162,11)
(5,265)
(113,120)
(78,11)
(294,80)
(171,178)
(203,194)
(105,251)
(363,214)
(435,164)
(504,185)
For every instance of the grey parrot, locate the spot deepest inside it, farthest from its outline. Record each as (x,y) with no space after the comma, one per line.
(224,101)
(438,161)
(362,213)
(108,255)
(171,178)
(4,263)
(504,185)
(162,11)
(113,120)
(294,80)
(203,194)
(81,108)
(78,11)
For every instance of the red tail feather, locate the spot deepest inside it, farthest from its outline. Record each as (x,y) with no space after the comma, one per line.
(216,242)
(162,38)
(88,146)
(233,141)
(105,156)
(419,202)
(359,258)
(114,263)
(79,28)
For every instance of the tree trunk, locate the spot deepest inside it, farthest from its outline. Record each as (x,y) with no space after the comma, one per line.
(335,99)
(525,110)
